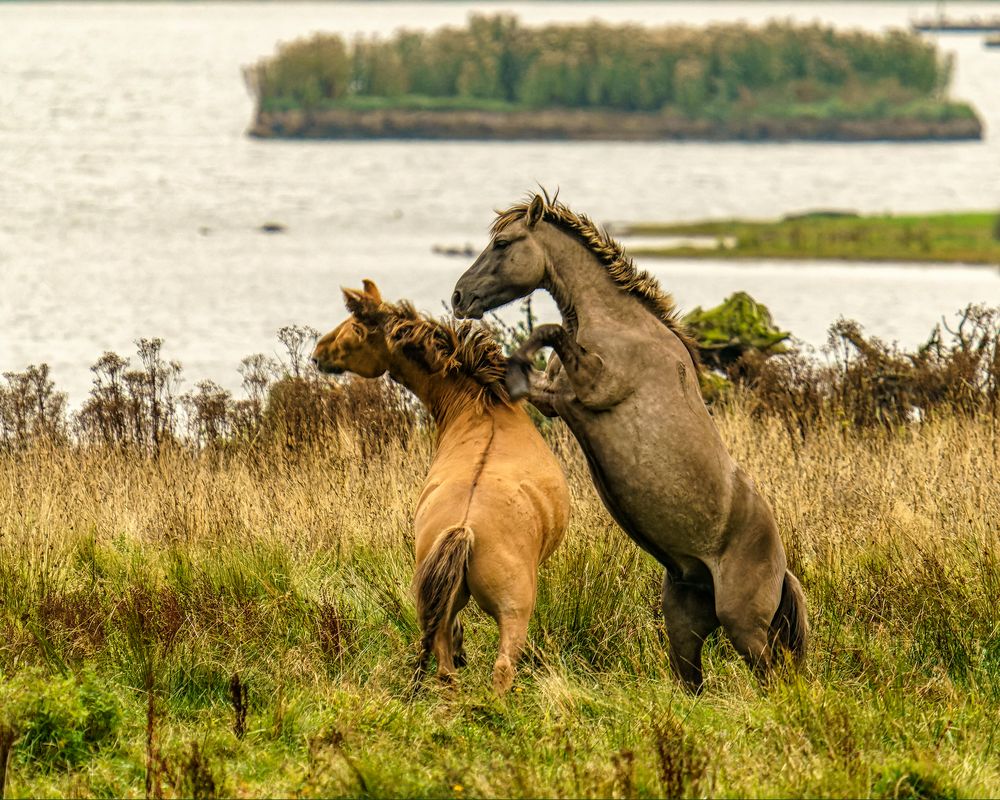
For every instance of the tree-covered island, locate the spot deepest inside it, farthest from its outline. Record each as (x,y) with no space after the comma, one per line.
(497,79)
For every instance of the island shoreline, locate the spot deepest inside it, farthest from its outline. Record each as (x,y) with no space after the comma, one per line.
(579,125)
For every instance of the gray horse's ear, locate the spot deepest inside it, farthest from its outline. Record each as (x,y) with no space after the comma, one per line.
(536,210)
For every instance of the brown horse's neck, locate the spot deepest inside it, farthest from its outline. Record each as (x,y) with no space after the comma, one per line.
(581,286)
(445,397)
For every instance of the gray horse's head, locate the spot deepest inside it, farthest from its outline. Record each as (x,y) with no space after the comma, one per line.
(511,266)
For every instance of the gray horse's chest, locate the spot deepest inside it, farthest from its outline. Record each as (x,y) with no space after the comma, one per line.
(664,478)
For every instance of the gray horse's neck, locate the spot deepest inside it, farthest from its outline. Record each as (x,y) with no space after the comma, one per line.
(579,283)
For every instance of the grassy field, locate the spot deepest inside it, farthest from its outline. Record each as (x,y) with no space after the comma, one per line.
(970,238)
(237,623)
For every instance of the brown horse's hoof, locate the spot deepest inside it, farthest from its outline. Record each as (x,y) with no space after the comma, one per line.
(517,379)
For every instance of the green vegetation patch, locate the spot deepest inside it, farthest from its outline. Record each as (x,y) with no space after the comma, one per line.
(969,238)
(59,721)
(722,73)
(739,321)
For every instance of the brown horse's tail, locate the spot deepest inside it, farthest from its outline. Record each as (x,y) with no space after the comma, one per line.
(436,584)
(790,626)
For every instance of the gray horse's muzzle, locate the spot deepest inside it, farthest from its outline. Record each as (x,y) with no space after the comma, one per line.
(467,305)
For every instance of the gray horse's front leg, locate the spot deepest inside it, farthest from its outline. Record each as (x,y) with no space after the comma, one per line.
(521,375)
(595,386)
(538,387)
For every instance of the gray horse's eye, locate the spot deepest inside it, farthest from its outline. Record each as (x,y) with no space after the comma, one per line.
(500,244)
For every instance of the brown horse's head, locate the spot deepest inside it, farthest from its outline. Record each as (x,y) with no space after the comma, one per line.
(512,265)
(357,344)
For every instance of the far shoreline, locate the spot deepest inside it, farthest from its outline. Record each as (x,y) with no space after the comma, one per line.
(579,125)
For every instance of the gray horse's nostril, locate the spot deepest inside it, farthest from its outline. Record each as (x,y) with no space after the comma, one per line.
(456,299)
(315,361)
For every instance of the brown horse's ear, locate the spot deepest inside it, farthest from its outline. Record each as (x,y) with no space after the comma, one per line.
(536,210)
(353,299)
(372,291)
(362,305)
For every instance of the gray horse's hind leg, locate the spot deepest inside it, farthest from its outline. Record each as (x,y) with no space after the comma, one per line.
(748,584)
(689,613)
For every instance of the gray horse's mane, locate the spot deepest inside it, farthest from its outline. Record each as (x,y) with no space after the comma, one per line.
(616,261)
(449,347)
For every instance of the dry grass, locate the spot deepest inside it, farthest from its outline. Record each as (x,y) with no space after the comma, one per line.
(147,585)
(202,596)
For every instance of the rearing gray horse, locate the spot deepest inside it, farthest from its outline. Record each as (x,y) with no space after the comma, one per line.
(624,379)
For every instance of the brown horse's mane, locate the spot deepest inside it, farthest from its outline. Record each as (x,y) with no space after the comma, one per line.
(449,347)
(612,255)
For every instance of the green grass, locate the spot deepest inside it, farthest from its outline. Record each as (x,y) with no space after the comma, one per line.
(969,238)
(924,110)
(123,576)
(408,102)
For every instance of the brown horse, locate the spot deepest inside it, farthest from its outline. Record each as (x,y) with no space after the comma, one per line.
(495,503)
(624,379)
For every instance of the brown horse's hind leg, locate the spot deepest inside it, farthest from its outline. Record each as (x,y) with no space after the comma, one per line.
(458,644)
(446,648)
(689,613)
(513,633)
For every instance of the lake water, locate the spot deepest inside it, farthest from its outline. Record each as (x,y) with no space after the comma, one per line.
(132,199)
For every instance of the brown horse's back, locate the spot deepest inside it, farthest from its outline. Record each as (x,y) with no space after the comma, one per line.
(495,504)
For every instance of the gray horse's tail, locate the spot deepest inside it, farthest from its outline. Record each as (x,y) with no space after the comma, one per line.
(436,584)
(790,626)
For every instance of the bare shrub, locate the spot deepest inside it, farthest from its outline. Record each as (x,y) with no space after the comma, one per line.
(210,414)
(382,414)
(333,630)
(238,697)
(258,373)
(132,407)
(623,765)
(302,411)
(197,778)
(31,408)
(867,382)
(301,408)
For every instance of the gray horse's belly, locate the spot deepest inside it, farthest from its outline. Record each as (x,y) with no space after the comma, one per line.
(667,481)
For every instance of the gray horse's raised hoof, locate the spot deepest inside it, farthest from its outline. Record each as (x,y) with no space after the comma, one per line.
(518,378)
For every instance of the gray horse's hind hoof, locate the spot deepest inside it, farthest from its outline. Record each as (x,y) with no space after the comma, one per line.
(517,380)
